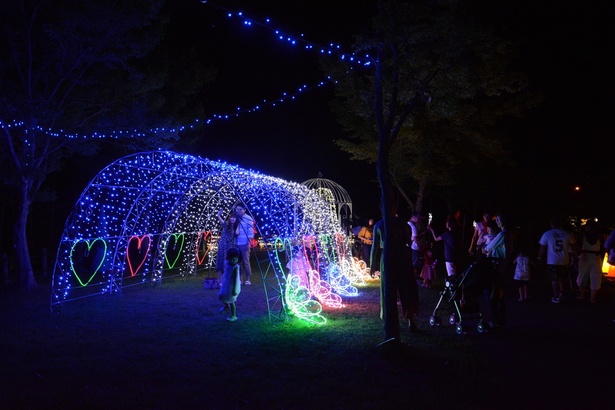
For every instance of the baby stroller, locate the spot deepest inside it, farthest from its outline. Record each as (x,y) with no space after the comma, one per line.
(470,285)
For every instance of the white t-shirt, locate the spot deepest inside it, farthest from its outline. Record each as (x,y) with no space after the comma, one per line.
(559,245)
(245,230)
(415,234)
(481,228)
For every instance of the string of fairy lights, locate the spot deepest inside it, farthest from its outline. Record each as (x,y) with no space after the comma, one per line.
(333,49)
(152,215)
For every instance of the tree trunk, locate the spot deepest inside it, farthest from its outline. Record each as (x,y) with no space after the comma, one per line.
(389,274)
(420,195)
(24,264)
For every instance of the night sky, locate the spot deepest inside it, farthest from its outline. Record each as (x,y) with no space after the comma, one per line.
(294,139)
(565,142)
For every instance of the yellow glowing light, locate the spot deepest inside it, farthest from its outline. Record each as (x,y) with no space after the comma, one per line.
(607,269)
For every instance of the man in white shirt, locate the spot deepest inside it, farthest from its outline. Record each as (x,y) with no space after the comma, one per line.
(556,245)
(417,238)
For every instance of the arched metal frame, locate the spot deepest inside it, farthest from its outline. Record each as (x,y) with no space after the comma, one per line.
(336,196)
(146,217)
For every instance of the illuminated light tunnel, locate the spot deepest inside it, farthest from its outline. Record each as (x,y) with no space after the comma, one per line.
(152,215)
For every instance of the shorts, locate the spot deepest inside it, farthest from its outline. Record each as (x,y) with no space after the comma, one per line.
(557,272)
(451,268)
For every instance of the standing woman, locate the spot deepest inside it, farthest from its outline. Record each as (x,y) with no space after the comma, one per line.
(226,241)
(500,252)
(244,233)
(366,235)
(590,264)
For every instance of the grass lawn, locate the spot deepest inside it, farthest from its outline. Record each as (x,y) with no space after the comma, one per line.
(168,347)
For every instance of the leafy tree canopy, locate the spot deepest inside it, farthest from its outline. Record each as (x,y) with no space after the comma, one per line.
(71,73)
(439,50)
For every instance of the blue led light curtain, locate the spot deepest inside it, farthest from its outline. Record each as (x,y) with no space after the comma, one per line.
(152,212)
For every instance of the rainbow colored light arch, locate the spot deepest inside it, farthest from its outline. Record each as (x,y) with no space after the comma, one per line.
(152,215)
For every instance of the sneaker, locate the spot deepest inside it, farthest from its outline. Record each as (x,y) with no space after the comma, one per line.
(247,282)
(555,300)
(232,319)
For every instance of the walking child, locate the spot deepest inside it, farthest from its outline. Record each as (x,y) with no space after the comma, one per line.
(428,273)
(231,283)
(522,273)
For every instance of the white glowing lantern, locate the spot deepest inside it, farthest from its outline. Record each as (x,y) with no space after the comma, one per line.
(334,194)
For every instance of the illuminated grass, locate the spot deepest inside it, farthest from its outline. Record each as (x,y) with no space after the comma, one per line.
(168,347)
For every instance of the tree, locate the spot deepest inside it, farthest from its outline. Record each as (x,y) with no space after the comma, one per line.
(70,67)
(462,67)
(412,113)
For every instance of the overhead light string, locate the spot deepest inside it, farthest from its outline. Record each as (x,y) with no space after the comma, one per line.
(332,49)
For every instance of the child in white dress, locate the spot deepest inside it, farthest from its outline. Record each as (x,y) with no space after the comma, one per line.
(231,283)
(522,274)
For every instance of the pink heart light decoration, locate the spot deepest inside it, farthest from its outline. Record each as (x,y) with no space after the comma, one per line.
(202,237)
(139,258)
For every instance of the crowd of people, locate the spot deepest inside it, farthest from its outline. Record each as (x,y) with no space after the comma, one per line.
(570,256)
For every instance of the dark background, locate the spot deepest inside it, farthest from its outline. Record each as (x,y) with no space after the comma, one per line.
(566,142)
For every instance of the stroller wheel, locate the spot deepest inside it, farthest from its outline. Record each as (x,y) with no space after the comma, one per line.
(480,328)
(434,321)
(459,328)
(452,319)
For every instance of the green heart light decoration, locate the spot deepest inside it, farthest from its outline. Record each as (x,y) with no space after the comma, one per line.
(89,246)
(178,240)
